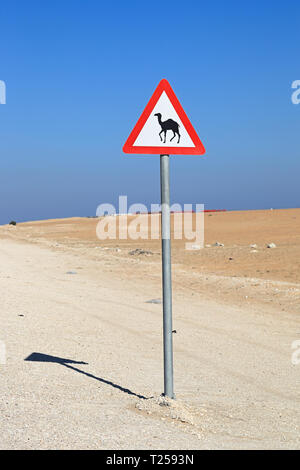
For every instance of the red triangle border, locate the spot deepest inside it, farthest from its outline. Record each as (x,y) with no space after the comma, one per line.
(164,86)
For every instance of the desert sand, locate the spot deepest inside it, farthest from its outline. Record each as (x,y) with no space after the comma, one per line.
(84,367)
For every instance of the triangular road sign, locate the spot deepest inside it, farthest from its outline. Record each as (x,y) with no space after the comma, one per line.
(163,127)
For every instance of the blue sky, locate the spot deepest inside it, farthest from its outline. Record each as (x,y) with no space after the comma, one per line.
(79,74)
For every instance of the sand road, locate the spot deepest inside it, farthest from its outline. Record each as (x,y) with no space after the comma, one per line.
(93,374)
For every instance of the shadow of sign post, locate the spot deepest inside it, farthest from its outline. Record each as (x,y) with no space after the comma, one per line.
(39,357)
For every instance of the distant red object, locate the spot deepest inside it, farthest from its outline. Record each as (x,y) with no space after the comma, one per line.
(215,210)
(191,212)
(208,210)
(179,212)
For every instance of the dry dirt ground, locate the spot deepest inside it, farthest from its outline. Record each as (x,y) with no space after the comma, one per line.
(84,347)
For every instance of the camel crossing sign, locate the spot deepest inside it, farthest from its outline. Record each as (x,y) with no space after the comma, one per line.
(163,127)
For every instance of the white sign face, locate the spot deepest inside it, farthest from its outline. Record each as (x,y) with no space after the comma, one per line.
(163,128)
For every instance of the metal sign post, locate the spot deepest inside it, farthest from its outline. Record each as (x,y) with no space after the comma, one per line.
(166,274)
(162,129)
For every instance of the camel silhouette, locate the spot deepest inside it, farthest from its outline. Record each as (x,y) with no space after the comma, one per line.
(168,125)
